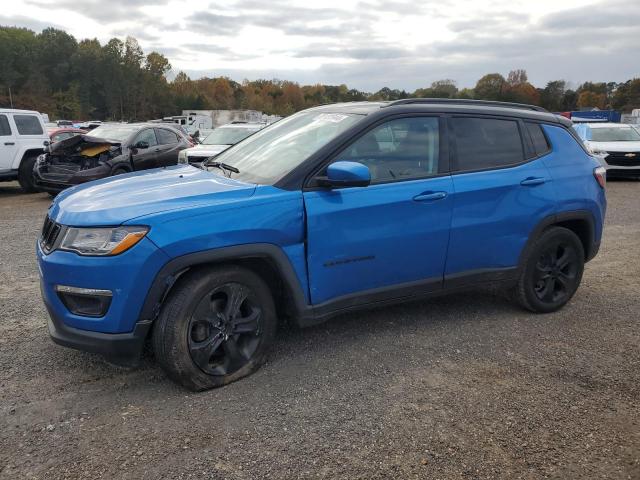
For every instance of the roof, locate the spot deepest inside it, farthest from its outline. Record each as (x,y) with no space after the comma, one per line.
(440,105)
(16,110)
(243,125)
(610,125)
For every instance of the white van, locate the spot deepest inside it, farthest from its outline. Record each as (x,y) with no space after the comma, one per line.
(22,139)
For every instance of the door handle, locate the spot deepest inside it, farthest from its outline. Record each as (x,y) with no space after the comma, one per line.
(430,196)
(531,181)
(9,143)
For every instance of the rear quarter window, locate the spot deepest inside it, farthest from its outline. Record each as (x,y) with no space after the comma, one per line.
(538,138)
(28,124)
(483,143)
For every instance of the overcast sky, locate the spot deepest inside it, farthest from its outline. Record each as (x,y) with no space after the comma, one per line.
(366,44)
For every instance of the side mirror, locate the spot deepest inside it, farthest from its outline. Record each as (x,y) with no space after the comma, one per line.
(141,144)
(346,174)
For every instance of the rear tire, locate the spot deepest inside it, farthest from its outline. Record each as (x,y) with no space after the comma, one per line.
(25,174)
(215,327)
(552,271)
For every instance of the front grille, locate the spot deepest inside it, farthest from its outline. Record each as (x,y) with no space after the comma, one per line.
(50,232)
(623,159)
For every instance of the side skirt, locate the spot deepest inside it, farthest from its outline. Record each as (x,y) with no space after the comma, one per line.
(380,297)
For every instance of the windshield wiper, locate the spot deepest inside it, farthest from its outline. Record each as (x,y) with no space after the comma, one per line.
(222,166)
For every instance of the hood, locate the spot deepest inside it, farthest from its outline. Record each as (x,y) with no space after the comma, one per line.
(78,142)
(616,146)
(206,150)
(115,200)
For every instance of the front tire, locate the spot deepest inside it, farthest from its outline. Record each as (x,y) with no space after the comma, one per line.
(552,271)
(25,174)
(215,327)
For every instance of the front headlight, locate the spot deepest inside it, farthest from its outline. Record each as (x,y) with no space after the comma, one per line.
(597,151)
(182,157)
(102,241)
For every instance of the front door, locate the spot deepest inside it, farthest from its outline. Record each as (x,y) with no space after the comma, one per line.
(144,158)
(391,236)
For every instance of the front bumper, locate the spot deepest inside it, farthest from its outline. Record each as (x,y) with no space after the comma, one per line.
(54,179)
(120,333)
(119,348)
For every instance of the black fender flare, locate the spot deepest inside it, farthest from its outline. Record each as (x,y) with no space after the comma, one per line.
(591,248)
(169,273)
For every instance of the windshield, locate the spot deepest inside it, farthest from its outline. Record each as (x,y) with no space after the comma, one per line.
(273,152)
(625,134)
(118,133)
(228,136)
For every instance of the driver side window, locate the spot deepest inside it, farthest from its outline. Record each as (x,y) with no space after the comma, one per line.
(400,149)
(146,136)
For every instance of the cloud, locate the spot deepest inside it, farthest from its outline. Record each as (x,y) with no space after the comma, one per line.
(22,21)
(101,11)
(369,44)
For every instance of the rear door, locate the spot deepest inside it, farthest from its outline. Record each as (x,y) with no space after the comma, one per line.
(8,146)
(168,144)
(389,238)
(502,190)
(144,158)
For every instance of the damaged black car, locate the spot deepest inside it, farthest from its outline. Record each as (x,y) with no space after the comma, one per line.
(110,149)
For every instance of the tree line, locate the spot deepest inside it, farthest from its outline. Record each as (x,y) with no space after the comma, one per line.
(52,72)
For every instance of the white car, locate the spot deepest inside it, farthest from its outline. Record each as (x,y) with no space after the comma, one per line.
(617,146)
(218,141)
(22,139)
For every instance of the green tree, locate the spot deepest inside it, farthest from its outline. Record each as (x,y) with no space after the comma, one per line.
(552,96)
(490,87)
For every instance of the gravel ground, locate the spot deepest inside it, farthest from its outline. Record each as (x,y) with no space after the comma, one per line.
(466,387)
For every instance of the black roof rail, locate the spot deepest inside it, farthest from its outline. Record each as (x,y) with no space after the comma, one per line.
(464,101)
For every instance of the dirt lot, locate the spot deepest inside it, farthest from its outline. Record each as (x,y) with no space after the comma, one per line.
(459,387)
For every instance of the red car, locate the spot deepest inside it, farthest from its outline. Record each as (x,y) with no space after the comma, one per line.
(57,134)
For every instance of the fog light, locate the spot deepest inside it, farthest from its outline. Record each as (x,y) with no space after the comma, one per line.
(86,302)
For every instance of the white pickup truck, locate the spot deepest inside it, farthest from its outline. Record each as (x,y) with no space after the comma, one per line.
(22,139)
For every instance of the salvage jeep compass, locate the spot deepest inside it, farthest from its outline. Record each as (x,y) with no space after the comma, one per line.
(334,208)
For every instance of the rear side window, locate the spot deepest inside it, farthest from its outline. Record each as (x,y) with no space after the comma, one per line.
(540,143)
(148,136)
(5,129)
(28,124)
(165,137)
(483,143)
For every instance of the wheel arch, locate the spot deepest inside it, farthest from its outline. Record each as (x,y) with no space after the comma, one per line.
(27,152)
(580,222)
(266,260)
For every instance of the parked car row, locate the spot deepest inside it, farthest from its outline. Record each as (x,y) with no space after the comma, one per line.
(55,156)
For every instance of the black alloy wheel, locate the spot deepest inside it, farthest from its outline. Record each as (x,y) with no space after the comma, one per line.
(551,271)
(215,326)
(556,272)
(224,330)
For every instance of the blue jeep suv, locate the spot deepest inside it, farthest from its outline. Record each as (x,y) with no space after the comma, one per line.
(334,208)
